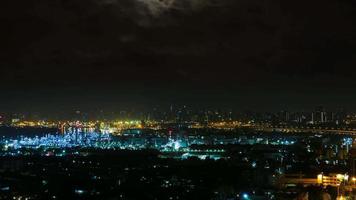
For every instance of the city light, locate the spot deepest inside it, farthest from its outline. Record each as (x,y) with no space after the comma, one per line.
(245,196)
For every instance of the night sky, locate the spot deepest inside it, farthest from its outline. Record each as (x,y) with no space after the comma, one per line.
(110,54)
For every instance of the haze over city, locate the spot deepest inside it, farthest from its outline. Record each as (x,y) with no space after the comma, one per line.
(230,53)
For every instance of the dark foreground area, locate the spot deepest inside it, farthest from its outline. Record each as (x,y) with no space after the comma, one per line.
(138,175)
(119,175)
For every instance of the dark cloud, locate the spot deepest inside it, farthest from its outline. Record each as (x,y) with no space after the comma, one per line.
(172,43)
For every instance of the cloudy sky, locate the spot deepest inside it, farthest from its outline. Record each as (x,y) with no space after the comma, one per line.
(240,53)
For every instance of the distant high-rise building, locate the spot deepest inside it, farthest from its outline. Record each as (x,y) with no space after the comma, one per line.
(319,116)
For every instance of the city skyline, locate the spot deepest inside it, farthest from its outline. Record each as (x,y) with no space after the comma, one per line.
(178,99)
